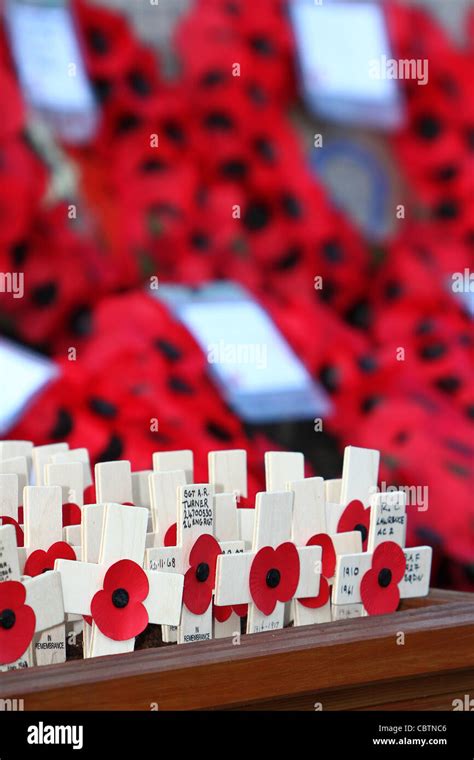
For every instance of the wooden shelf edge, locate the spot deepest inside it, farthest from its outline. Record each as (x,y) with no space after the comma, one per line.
(264,667)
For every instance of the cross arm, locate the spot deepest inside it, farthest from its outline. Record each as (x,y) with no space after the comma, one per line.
(232,579)
(80,581)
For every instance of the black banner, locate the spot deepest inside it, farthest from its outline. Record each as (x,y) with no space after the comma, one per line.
(134,734)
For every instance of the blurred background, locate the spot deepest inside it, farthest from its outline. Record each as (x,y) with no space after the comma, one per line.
(235,225)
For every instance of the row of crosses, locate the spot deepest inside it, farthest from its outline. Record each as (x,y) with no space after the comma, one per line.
(194,558)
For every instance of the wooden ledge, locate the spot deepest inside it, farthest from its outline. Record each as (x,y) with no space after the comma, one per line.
(351,664)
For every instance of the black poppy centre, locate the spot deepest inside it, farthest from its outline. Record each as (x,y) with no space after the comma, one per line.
(362,530)
(273,578)
(202,572)
(7,619)
(385,577)
(120,598)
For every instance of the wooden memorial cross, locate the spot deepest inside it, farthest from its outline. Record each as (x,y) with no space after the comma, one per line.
(113,482)
(195,555)
(164,461)
(164,485)
(42,455)
(376,580)
(69,476)
(228,475)
(310,528)
(16,449)
(274,572)
(359,484)
(281,468)
(75,455)
(91,538)
(9,504)
(43,545)
(17,466)
(26,608)
(117,593)
(141,496)
(228,472)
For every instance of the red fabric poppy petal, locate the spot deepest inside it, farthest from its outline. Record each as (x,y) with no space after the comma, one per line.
(60,550)
(40,561)
(377,600)
(264,598)
(288,562)
(128,575)
(328,559)
(20,537)
(197,595)
(72,514)
(36,563)
(12,595)
(118,624)
(206,549)
(314,602)
(389,554)
(171,535)
(355,514)
(15,641)
(221,614)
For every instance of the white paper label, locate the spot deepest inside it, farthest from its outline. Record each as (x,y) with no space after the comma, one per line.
(22,375)
(49,61)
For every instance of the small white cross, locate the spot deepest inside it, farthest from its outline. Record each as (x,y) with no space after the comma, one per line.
(281,468)
(195,520)
(43,595)
(42,455)
(359,483)
(123,538)
(235,573)
(309,523)
(228,472)
(387,528)
(113,482)
(76,455)
(43,529)
(175,460)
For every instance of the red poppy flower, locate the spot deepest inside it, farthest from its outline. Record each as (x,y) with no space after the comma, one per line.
(20,538)
(171,538)
(222,614)
(117,608)
(17,622)
(72,514)
(40,561)
(328,568)
(108,43)
(379,587)
(200,578)
(274,576)
(355,517)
